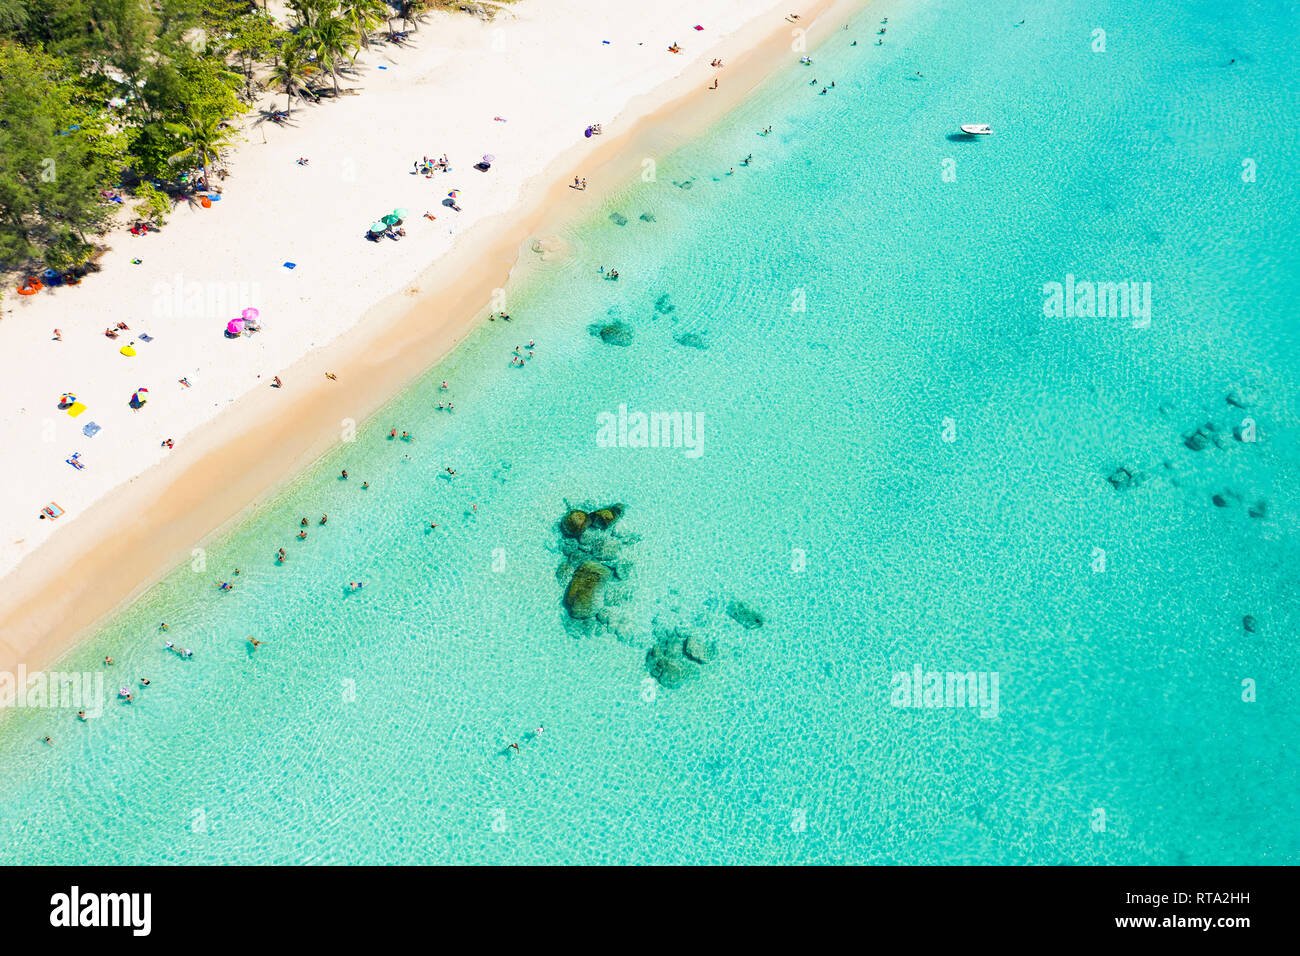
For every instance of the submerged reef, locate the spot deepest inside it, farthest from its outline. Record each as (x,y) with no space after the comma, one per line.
(1195,458)
(679,645)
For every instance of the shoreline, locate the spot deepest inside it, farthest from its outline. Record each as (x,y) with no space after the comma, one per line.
(130,539)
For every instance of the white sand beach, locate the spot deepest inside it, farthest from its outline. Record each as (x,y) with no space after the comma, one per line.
(521,89)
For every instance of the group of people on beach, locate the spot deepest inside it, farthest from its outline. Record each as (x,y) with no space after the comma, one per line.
(426,167)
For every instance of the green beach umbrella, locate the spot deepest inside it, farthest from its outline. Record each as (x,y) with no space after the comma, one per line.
(392,219)
(378,226)
(400,213)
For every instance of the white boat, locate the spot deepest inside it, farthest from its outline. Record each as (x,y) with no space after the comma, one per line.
(976,129)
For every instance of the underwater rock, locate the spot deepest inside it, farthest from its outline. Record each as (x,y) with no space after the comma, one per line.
(1219,501)
(606,517)
(606,550)
(700,650)
(622,570)
(647,217)
(668,665)
(1259,509)
(616,333)
(664,304)
(744,615)
(1249,624)
(1241,397)
(590,538)
(1122,478)
(618,219)
(574,523)
(692,340)
(580,596)
(1197,440)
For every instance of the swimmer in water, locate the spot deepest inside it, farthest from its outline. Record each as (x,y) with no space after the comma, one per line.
(280,555)
(514,747)
(108,661)
(444,386)
(432,526)
(345,473)
(532,344)
(162,626)
(186,652)
(324,518)
(365,484)
(171,646)
(144,682)
(302,535)
(303,522)
(255,642)
(49,741)
(81,715)
(450,471)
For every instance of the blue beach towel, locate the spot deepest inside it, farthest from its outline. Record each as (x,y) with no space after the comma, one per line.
(291,265)
(146,337)
(91,429)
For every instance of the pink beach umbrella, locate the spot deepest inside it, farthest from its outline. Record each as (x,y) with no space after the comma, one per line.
(249,313)
(233,327)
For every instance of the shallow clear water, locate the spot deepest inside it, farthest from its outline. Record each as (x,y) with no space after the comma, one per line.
(859,308)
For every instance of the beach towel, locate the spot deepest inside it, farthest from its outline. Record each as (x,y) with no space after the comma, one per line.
(91,429)
(291,265)
(76,408)
(146,337)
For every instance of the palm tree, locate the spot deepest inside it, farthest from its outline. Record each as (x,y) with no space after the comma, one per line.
(308,11)
(202,136)
(330,38)
(291,73)
(362,16)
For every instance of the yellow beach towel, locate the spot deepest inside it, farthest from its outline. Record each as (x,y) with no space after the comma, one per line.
(76,408)
(127,350)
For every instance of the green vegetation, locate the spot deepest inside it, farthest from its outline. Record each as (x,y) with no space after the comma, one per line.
(115,98)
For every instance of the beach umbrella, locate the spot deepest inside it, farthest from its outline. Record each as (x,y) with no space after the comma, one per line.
(233,327)
(137,398)
(391,219)
(489,158)
(67,398)
(452,194)
(249,314)
(401,213)
(378,226)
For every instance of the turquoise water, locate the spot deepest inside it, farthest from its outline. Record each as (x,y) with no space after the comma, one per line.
(856,311)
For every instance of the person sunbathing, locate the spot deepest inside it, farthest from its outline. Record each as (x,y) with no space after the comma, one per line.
(111,333)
